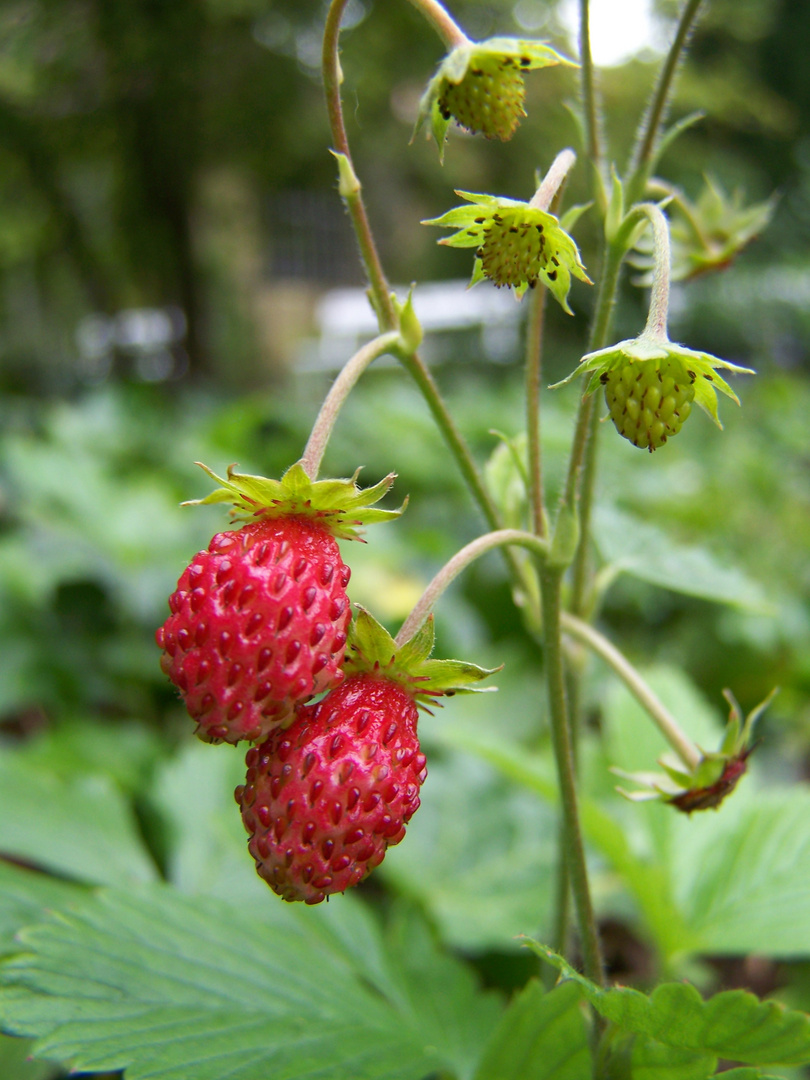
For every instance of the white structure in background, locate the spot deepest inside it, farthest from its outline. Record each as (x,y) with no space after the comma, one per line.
(148,337)
(345,319)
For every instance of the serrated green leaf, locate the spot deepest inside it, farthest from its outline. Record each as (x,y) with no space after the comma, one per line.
(733,1024)
(452,1010)
(742,877)
(541,1036)
(642,550)
(82,828)
(25,896)
(169,987)
(652,1060)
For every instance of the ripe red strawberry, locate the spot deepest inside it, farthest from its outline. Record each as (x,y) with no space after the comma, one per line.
(258,623)
(324,799)
(259,619)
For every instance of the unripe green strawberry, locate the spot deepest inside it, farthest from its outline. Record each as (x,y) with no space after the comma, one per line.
(324,799)
(651,382)
(481,85)
(489,99)
(258,624)
(649,400)
(517,244)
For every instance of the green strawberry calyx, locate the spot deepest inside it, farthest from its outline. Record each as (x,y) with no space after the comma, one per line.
(517,244)
(339,506)
(698,368)
(500,64)
(370,649)
(714,776)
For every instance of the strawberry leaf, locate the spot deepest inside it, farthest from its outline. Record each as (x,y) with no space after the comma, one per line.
(81,827)
(733,1024)
(541,1036)
(166,986)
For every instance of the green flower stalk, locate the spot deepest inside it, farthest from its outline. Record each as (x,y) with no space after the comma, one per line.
(517,244)
(481,86)
(651,382)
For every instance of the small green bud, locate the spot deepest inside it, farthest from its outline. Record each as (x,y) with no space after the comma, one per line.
(410,329)
(348,184)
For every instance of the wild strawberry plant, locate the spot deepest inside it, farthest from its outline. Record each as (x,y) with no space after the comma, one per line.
(262,646)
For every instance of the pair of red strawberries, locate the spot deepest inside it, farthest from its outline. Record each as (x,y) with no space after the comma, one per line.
(258,626)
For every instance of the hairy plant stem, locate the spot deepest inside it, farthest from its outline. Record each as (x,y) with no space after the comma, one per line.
(534,381)
(450,33)
(656,326)
(553,180)
(589,103)
(459,562)
(580,480)
(650,127)
(652,704)
(550,590)
(340,389)
(547,196)
(378,283)
(332,77)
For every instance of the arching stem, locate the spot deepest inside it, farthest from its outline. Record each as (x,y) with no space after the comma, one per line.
(341,387)
(650,127)
(658,712)
(459,562)
(449,31)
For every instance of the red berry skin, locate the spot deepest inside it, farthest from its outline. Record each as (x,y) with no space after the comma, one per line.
(258,625)
(324,799)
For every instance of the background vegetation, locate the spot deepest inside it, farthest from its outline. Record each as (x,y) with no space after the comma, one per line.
(168,224)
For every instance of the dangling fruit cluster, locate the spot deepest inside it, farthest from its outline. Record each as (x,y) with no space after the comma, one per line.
(649,400)
(259,624)
(488,100)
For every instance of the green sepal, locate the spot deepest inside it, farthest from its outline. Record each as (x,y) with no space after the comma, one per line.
(705,235)
(715,775)
(370,648)
(474,223)
(340,506)
(491,54)
(410,329)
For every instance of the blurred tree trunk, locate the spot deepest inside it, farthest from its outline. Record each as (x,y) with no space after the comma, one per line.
(153,51)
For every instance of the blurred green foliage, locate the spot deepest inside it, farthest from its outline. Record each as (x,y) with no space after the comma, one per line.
(149,157)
